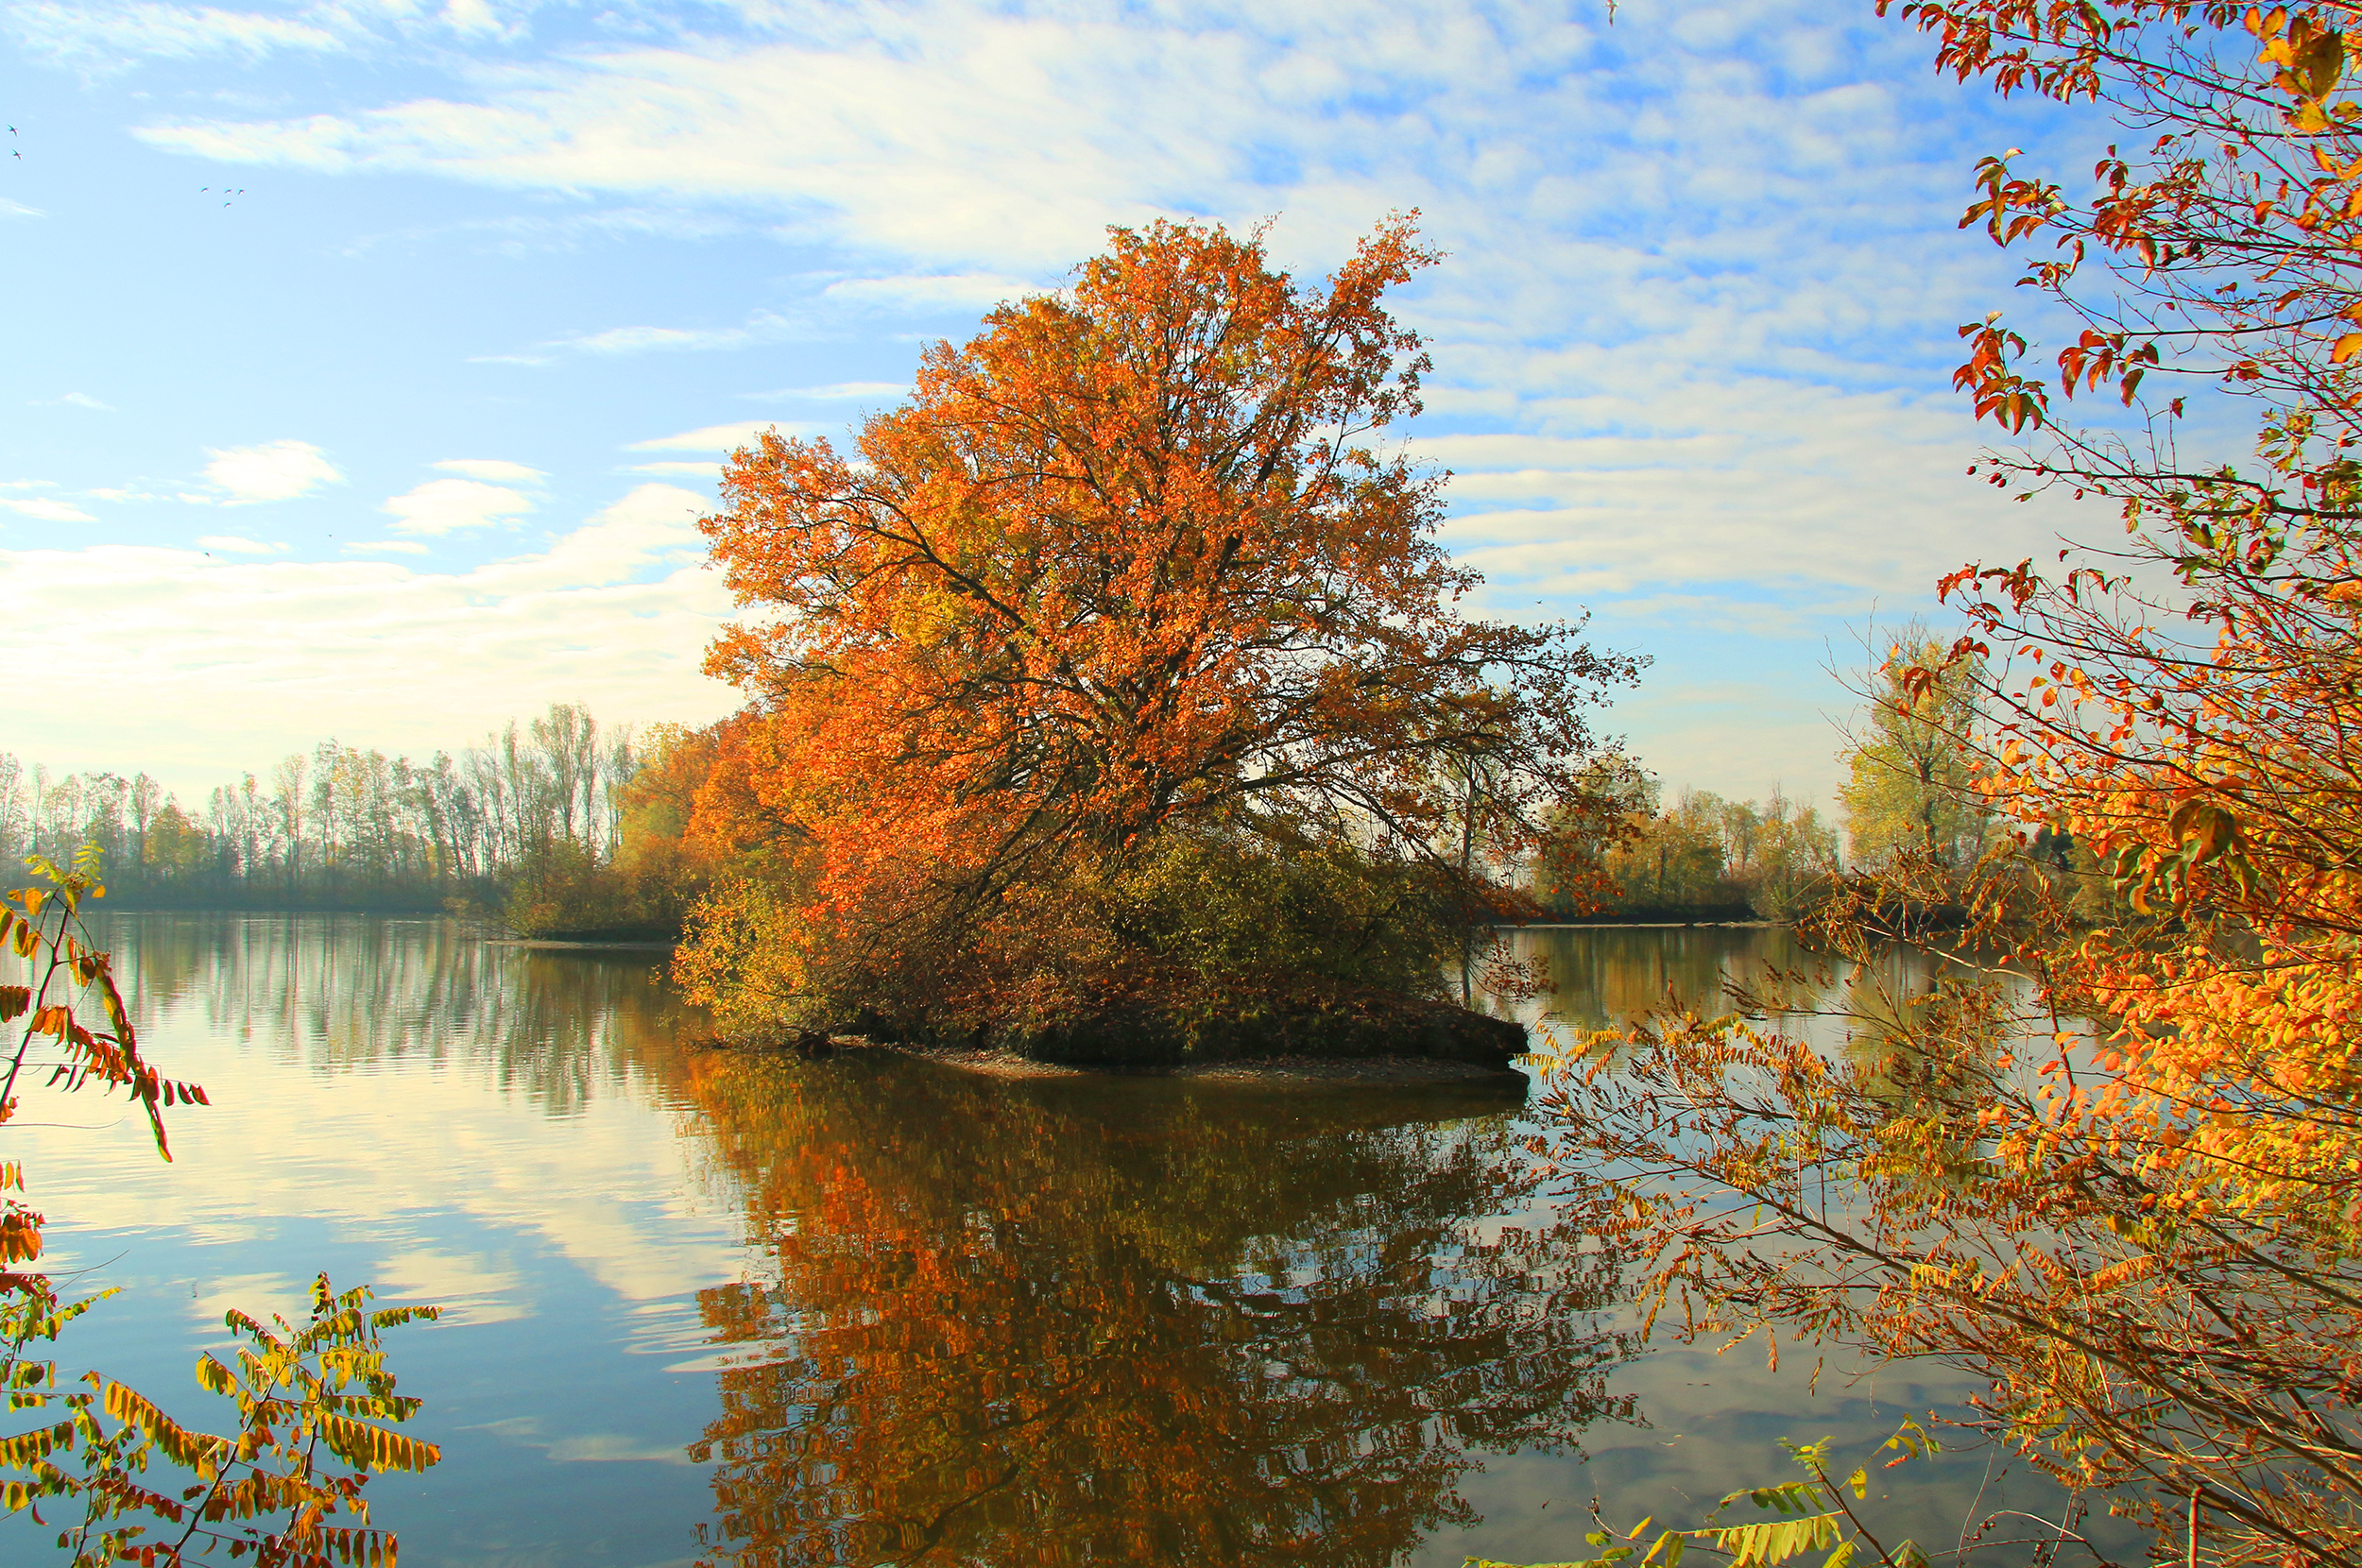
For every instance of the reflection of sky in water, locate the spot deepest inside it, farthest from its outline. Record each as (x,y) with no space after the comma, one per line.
(631,1245)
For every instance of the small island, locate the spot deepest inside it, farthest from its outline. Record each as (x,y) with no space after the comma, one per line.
(1113,704)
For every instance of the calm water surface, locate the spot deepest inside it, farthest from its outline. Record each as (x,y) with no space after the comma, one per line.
(703,1309)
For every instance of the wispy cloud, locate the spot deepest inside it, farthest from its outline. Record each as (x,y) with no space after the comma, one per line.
(933,294)
(707,469)
(85,33)
(762,327)
(18,210)
(386,546)
(727,437)
(107,35)
(620,605)
(1691,336)
(454,506)
(83,399)
(276,470)
(43,509)
(845,391)
(492,469)
(238,544)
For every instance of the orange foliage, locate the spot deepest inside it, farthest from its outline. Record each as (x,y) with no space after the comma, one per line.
(1129,562)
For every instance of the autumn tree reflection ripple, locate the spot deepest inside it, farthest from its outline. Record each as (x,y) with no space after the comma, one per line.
(1085,1322)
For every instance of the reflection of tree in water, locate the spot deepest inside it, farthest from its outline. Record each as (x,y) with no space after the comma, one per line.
(1603,976)
(1129,1322)
(340,991)
(1915,1018)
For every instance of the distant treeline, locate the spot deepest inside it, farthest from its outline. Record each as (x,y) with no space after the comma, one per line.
(558,826)
(1702,858)
(345,828)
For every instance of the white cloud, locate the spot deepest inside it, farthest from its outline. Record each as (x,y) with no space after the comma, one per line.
(238,545)
(453,505)
(622,606)
(492,469)
(276,470)
(28,484)
(703,471)
(46,510)
(386,546)
(727,437)
(1693,332)
(18,210)
(83,399)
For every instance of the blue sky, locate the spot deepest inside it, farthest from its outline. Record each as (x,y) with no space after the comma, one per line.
(368,361)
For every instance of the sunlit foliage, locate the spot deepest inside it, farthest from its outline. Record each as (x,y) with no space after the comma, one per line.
(1910,769)
(1701,856)
(1130,563)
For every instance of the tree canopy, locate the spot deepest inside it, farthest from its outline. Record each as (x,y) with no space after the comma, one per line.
(1130,564)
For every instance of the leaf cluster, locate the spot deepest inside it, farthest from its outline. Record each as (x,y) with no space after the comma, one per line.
(1811,1516)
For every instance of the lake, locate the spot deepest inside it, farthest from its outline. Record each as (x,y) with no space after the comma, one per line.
(707,1308)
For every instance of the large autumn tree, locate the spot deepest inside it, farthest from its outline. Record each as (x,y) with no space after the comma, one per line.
(1130,569)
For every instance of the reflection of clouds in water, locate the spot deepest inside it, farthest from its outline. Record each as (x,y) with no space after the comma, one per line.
(469,1287)
(529,1432)
(259,1296)
(1715,1421)
(391,1161)
(1714,1424)
(380,1076)
(516,1135)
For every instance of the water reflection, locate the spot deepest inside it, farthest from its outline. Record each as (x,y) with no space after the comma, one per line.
(860,1311)
(1056,1322)
(346,993)
(1603,976)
